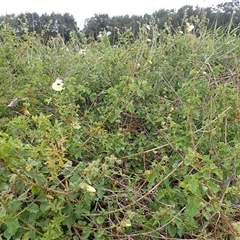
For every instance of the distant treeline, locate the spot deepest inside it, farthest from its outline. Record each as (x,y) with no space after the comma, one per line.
(225,14)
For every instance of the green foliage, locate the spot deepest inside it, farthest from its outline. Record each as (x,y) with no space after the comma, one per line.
(224,15)
(122,28)
(142,142)
(47,25)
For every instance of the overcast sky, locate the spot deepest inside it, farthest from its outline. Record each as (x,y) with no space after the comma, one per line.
(83,9)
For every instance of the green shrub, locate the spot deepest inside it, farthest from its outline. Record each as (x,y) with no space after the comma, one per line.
(142,142)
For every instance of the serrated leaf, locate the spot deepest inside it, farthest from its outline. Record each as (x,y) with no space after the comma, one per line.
(100,220)
(192,206)
(33,208)
(193,186)
(86,233)
(12,225)
(15,205)
(40,179)
(35,189)
(45,206)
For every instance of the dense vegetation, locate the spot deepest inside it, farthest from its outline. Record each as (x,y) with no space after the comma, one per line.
(141,143)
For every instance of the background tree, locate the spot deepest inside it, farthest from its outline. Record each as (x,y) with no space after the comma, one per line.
(48,25)
(96,24)
(219,16)
(63,24)
(225,13)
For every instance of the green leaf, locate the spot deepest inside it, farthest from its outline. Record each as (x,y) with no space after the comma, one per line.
(100,220)
(45,206)
(172,230)
(99,235)
(33,208)
(35,189)
(192,206)
(86,233)
(12,225)
(151,178)
(214,187)
(40,179)
(130,107)
(160,194)
(179,226)
(193,186)
(154,206)
(114,115)
(206,214)
(69,220)
(15,206)
(219,173)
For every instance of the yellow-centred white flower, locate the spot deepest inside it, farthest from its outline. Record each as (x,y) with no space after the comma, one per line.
(82,51)
(58,85)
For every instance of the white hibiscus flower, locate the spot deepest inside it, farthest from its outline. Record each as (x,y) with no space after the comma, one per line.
(58,85)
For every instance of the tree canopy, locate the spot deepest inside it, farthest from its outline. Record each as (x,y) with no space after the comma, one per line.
(63,24)
(48,25)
